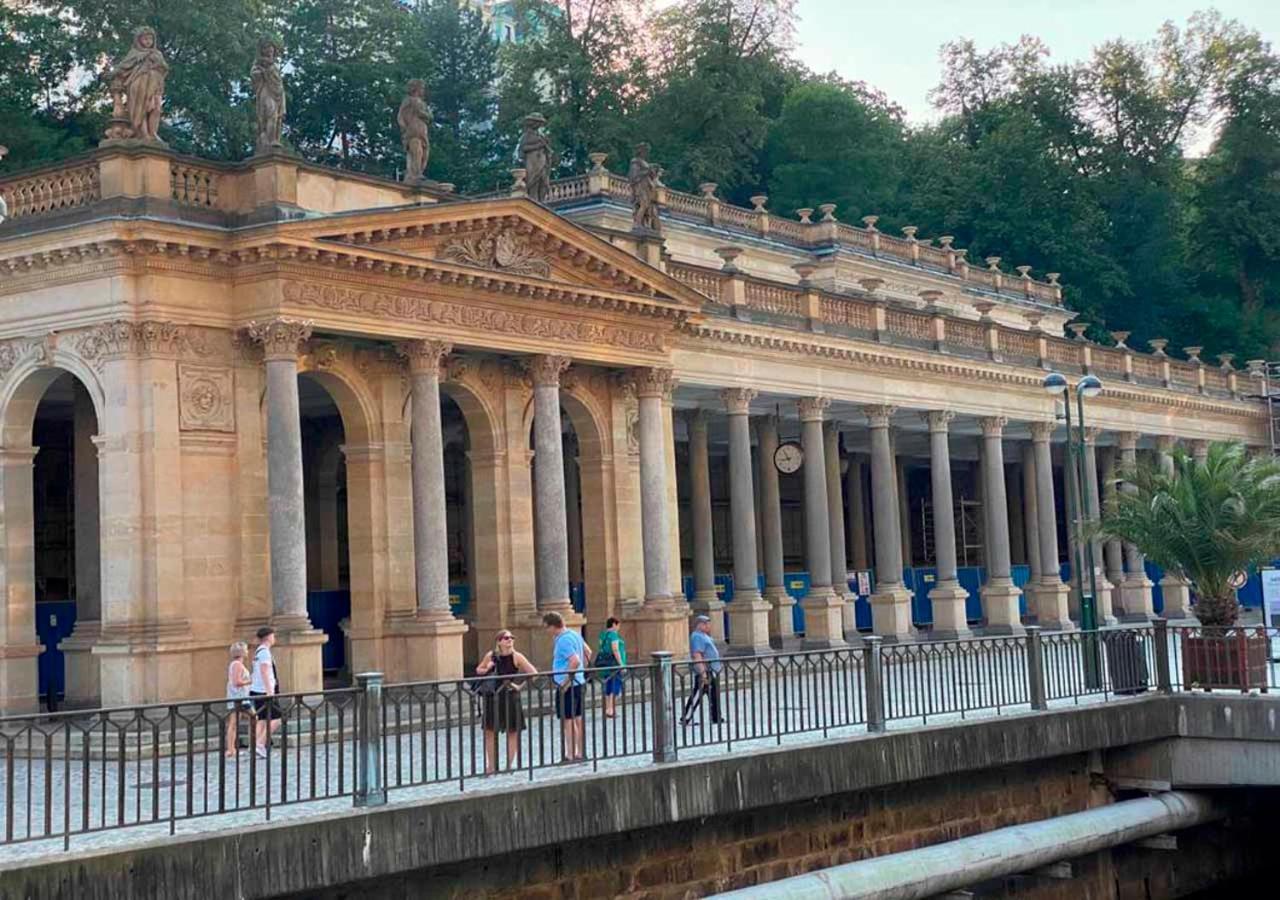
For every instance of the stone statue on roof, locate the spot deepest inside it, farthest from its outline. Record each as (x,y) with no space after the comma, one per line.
(535,152)
(268,94)
(643,176)
(137,90)
(413,119)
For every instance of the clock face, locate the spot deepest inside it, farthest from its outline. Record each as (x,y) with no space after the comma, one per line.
(788,457)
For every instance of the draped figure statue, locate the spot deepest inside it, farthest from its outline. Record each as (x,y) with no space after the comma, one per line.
(413,119)
(269,99)
(137,81)
(535,151)
(643,176)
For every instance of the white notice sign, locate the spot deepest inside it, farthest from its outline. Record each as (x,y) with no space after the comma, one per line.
(1270,597)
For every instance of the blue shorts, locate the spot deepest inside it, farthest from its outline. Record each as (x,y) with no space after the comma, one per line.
(613,686)
(569,702)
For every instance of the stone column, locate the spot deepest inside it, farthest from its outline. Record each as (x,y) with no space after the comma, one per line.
(433,641)
(1052,595)
(857,513)
(705,602)
(782,634)
(950,620)
(550,535)
(298,660)
(19,647)
(661,622)
(1136,589)
(573,510)
(999,594)
(1175,589)
(835,531)
(1113,552)
(1030,512)
(83,682)
(1093,510)
(823,619)
(748,613)
(1200,451)
(891,602)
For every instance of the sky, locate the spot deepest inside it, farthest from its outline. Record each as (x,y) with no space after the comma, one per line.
(893,44)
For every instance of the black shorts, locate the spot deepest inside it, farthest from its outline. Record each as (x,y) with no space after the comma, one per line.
(265,707)
(569,702)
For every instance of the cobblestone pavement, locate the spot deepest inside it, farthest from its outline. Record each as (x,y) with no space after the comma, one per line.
(434,742)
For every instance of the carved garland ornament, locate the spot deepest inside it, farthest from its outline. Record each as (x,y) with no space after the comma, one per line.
(502,249)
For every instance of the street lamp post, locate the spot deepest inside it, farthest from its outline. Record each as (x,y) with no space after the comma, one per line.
(1079,510)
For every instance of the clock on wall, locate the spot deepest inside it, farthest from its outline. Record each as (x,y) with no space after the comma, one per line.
(788,457)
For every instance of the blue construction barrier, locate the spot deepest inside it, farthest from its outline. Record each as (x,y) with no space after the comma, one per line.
(326,609)
(460,600)
(578,596)
(54,622)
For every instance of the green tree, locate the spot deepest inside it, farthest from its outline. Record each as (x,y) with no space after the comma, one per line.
(1204,522)
(37,118)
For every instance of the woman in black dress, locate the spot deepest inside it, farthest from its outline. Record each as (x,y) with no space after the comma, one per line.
(501,706)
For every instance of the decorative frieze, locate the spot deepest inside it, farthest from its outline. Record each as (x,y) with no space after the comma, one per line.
(502,249)
(123,338)
(206,398)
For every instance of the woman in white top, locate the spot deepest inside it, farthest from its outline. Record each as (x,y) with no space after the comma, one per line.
(238,679)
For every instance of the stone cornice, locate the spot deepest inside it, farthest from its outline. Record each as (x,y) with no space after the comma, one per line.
(877,358)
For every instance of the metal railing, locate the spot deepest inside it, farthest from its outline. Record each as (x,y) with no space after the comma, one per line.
(77,773)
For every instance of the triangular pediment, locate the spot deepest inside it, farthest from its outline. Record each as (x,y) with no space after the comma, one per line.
(513,236)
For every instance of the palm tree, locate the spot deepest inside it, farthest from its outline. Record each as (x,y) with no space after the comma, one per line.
(1205,522)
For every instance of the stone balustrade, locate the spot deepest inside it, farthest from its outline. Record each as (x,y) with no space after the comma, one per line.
(51,189)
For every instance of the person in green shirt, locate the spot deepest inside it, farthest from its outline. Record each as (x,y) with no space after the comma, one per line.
(611,653)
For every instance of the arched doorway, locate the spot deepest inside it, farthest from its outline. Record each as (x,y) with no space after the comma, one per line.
(51,571)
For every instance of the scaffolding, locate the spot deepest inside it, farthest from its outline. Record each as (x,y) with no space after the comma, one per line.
(968,523)
(1271,395)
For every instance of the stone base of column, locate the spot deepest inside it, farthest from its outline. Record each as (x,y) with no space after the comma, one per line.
(83,679)
(532,637)
(950,620)
(1116,580)
(150,667)
(891,614)
(710,605)
(1102,603)
(823,625)
(749,625)
(297,654)
(659,626)
(19,679)
(782,629)
(849,617)
(428,647)
(1000,605)
(1052,603)
(1177,598)
(1135,596)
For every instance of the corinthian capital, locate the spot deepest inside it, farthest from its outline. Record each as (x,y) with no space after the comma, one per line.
(738,400)
(1042,431)
(993,426)
(1128,440)
(545,370)
(938,419)
(812,408)
(879,416)
(1166,442)
(1091,436)
(653,382)
(425,356)
(280,337)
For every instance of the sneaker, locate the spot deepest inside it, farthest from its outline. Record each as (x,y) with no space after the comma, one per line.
(261,752)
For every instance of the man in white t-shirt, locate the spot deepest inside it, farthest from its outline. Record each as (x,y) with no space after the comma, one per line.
(262,687)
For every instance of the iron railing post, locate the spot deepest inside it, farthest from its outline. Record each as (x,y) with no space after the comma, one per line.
(1035,668)
(1160,634)
(873,684)
(663,712)
(370,789)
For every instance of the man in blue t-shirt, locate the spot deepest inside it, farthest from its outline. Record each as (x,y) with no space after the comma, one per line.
(705,661)
(569,657)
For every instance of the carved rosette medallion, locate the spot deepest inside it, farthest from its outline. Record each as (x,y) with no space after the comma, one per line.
(205,398)
(280,338)
(426,356)
(502,249)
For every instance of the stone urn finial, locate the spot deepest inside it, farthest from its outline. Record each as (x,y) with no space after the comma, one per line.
(1193,354)
(708,189)
(828,211)
(869,222)
(519,175)
(758,201)
(806,215)
(1077,330)
(1024,272)
(1053,277)
(1033,317)
(805,269)
(909,231)
(871,285)
(729,254)
(597,162)
(984,308)
(1120,337)
(446,187)
(1256,367)
(930,297)
(1224,361)
(993,263)
(946,241)
(1157,346)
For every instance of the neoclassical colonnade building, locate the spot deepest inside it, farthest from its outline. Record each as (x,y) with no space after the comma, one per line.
(391,420)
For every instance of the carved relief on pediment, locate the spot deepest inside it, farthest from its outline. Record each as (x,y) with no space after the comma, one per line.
(501,249)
